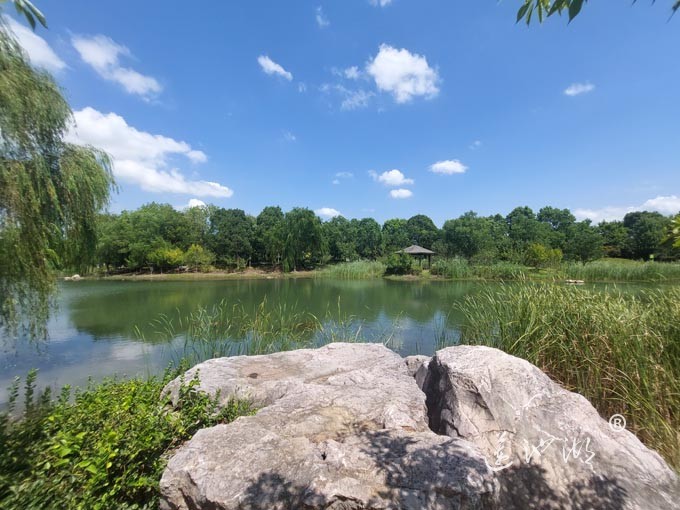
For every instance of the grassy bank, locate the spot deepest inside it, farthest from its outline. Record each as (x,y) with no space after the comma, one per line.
(622,352)
(104,448)
(605,270)
(621,270)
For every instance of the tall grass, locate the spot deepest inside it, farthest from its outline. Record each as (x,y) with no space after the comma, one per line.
(620,351)
(358,270)
(232,330)
(610,270)
(459,268)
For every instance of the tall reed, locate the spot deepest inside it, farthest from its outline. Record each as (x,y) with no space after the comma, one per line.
(358,270)
(620,351)
(625,270)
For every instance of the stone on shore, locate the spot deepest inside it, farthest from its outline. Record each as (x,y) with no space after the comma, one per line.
(347,427)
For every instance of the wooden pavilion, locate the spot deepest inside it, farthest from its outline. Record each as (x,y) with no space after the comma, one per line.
(419,252)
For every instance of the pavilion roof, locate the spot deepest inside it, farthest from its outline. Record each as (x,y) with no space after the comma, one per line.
(416,250)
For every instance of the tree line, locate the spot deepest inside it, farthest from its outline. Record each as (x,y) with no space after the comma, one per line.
(159,237)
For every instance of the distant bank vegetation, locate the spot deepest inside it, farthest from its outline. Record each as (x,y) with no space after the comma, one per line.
(158,238)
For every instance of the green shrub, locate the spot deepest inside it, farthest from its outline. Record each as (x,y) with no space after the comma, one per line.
(398,264)
(105,450)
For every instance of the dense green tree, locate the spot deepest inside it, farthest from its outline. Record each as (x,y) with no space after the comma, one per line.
(231,236)
(559,222)
(469,236)
(269,236)
(369,243)
(395,235)
(197,220)
(525,229)
(585,242)
(50,191)
(113,240)
(341,239)
(165,257)
(539,256)
(197,258)
(422,231)
(303,244)
(614,238)
(646,233)
(673,234)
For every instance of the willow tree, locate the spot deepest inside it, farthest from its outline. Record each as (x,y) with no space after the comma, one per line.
(50,191)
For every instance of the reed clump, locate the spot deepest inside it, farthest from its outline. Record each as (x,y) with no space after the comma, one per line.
(620,351)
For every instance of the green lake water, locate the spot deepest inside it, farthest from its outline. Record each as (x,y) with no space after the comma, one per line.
(105,328)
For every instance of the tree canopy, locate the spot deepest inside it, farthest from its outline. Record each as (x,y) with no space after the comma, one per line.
(50,191)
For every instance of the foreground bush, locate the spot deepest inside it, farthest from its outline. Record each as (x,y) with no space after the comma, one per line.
(620,351)
(104,450)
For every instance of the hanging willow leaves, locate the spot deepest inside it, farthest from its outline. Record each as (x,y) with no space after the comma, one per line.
(50,191)
(546,8)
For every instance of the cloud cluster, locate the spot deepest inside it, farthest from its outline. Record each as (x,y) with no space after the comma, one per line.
(403,74)
(380,3)
(103,55)
(272,68)
(401,193)
(327,212)
(664,204)
(576,89)
(448,167)
(321,18)
(39,52)
(393,179)
(139,157)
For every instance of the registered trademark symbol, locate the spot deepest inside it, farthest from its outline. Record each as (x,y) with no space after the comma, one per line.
(617,423)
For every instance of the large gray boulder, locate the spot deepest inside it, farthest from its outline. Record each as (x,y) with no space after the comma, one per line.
(341,427)
(549,447)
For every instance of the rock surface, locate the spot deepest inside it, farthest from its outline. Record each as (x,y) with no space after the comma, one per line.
(549,447)
(346,427)
(342,427)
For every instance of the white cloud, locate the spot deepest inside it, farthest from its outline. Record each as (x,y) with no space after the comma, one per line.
(327,212)
(139,157)
(289,137)
(576,89)
(475,145)
(302,87)
(381,3)
(350,99)
(356,99)
(401,193)
(271,67)
(39,52)
(351,73)
(666,205)
(103,55)
(448,167)
(345,175)
(392,178)
(193,202)
(336,181)
(403,74)
(321,18)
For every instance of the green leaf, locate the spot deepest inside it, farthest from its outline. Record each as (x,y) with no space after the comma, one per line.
(523,10)
(575,8)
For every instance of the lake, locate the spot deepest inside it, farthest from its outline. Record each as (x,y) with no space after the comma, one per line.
(102,328)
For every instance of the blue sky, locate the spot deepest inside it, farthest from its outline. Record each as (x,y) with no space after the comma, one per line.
(316,104)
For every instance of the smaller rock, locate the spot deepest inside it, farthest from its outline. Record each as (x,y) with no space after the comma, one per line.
(413,363)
